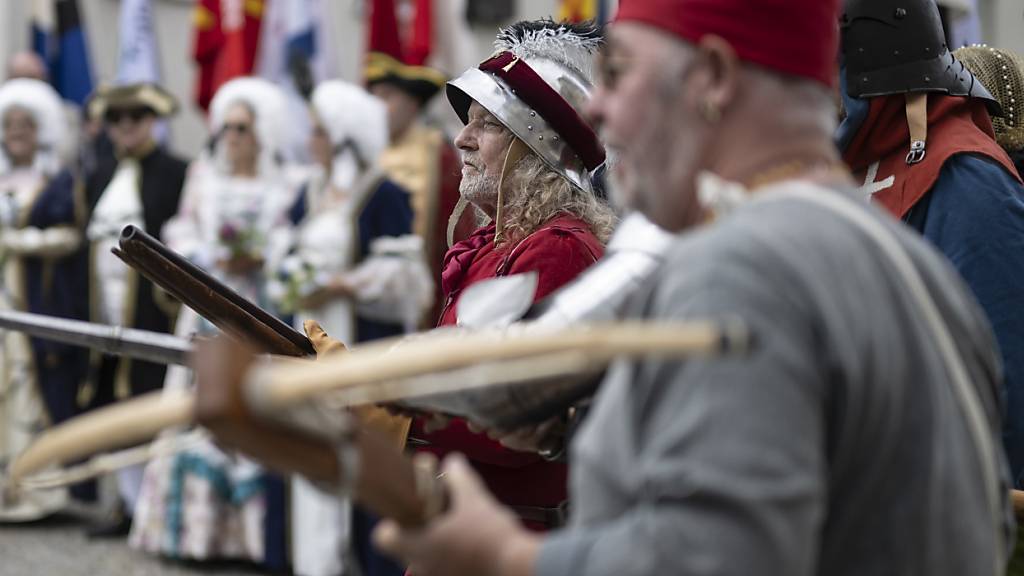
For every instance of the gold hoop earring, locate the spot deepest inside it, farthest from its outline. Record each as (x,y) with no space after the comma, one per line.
(710,111)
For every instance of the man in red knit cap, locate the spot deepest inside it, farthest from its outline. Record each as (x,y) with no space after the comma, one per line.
(861,434)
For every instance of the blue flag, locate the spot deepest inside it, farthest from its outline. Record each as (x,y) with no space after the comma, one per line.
(59,38)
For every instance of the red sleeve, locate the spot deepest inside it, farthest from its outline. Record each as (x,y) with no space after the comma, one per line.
(456,437)
(557,255)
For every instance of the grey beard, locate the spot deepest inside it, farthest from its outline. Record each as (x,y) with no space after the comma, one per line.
(479,189)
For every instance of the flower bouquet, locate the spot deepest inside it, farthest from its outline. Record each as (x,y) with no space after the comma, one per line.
(239,241)
(295,280)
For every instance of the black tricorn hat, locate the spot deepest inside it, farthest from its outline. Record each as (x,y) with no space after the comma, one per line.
(421,82)
(139,95)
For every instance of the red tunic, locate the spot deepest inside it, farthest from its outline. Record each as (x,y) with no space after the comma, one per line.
(558,252)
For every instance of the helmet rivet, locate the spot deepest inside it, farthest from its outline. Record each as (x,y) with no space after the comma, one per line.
(901,13)
(530,128)
(541,137)
(532,114)
(556,138)
(927,78)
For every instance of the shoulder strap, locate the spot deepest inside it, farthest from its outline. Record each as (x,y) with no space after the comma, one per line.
(970,402)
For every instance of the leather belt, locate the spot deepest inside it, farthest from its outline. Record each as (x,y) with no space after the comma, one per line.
(549,517)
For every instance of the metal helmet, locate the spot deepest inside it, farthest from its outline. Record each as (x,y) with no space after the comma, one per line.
(898,47)
(1003,72)
(537,84)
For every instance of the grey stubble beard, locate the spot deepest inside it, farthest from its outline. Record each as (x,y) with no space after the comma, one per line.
(479,189)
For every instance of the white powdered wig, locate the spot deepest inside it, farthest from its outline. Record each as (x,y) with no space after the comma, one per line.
(269,108)
(570,45)
(351,114)
(46,107)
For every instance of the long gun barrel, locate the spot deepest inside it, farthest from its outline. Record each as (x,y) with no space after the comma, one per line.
(211,298)
(141,344)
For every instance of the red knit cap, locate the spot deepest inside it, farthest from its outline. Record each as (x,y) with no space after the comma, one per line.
(796,37)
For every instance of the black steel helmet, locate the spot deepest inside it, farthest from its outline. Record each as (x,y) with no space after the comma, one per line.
(898,47)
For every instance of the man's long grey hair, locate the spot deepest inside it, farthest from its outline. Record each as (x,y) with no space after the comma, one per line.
(534,194)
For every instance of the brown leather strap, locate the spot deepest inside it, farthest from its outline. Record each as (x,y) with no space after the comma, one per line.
(516,151)
(549,517)
(917,120)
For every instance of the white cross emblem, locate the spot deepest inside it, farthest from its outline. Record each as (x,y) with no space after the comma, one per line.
(872,187)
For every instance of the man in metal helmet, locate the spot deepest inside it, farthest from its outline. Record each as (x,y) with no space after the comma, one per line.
(919,137)
(527,158)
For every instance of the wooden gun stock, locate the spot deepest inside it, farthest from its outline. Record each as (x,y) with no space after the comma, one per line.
(211,298)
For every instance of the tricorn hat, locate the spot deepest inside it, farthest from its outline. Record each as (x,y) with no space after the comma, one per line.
(139,95)
(422,82)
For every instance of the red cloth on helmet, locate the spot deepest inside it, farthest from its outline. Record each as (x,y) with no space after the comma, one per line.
(796,37)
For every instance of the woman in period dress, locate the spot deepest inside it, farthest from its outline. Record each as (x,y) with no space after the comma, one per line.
(357,269)
(38,236)
(203,503)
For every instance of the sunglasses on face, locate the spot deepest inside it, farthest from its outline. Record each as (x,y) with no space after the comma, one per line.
(239,128)
(134,114)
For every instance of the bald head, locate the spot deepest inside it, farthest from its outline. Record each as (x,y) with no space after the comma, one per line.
(26,65)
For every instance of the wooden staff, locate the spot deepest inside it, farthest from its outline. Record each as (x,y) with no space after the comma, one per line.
(377,374)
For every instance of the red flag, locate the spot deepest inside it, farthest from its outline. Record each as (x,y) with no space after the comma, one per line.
(251,32)
(383,29)
(208,40)
(226,40)
(408,39)
(577,10)
(420,37)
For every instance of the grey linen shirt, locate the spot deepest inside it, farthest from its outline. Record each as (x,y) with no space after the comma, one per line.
(837,448)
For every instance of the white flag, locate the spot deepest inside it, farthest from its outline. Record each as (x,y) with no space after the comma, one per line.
(296,29)
(137,57)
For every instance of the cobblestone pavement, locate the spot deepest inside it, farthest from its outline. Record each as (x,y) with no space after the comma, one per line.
(57,546)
